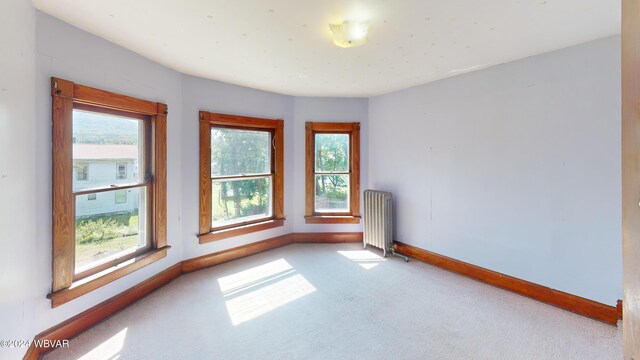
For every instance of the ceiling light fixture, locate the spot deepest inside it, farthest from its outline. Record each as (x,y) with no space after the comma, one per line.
(349,33)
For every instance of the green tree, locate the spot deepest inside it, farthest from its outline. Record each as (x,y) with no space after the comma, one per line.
(332,155)
(241,152)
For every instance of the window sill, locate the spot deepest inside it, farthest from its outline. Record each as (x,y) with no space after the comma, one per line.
(240,230)
(317,219)
(88,284)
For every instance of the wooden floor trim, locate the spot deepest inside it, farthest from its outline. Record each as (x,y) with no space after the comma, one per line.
(93,316)
(328,237)
(220,257)
(560,299)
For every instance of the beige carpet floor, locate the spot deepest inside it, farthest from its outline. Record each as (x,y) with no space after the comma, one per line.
(338,301)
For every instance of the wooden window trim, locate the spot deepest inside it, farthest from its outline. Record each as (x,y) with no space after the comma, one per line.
(207,120)
(353,129)
(100,279)
(239,230)
(66,96)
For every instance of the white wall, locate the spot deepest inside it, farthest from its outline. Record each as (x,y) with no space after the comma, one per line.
(515,168)
(17,174)
(325,110)
(69,53)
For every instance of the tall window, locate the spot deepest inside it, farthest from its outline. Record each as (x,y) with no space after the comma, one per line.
(95,242)
(241,168)
(332,172)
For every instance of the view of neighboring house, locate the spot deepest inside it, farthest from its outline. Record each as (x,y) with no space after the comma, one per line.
(97,165)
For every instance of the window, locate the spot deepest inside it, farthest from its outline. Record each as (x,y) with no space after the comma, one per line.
(96,242)
(121,170)
(121,198)
(82,172)
(241,169)
(332,172)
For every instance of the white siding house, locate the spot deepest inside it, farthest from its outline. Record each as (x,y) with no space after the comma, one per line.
(98,165)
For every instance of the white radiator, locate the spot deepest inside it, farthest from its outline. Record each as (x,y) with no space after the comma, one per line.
(378,220)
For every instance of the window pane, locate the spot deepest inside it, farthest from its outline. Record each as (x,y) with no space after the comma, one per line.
(107,150)
(106,229)
(332,152)
(238,152)
(332,193)
(240,200)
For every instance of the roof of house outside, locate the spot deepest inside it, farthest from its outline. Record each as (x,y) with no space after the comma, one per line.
(104,152)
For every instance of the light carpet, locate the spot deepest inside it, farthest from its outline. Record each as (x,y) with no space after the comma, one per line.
(337,301)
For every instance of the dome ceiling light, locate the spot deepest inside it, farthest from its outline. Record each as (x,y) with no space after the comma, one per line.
(349,33)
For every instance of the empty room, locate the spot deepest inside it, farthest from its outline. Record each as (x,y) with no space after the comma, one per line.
(280,179)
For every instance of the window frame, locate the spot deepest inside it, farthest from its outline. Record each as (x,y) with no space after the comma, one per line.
(67,96)
(353,130)
(209,120)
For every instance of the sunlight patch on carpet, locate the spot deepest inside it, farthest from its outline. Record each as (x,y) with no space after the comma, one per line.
(256,291)
(258,302)
(255,276)
(364,258)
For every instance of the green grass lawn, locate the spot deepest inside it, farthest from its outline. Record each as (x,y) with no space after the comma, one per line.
(89,252)
(219,213)
(123,235)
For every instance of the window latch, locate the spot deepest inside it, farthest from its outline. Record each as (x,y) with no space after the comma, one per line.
(148,179)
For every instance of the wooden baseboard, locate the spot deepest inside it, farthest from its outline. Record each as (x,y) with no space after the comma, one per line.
(329,237)
(93,316)
(220,257)
(563,300)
